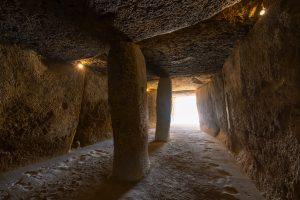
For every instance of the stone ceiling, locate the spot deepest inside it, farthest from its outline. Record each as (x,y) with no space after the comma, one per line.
(142,19)
(189,83)
(201,48)
(177,37)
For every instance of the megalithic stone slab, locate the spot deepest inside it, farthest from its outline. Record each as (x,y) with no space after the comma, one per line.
(128,103)
(163,109)
(152,108)
(206,110)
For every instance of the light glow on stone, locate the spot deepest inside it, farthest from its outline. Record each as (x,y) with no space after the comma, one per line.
(262,12)
(80,66)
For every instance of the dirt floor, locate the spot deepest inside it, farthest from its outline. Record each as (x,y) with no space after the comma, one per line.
(192,165)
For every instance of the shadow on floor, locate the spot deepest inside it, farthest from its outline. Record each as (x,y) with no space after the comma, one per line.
(108,190)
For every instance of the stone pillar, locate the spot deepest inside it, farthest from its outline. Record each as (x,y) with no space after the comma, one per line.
(163,109)
(152,108)
(128,103)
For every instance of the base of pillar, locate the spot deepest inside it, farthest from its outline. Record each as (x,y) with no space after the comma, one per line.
(161,139)
(130,169)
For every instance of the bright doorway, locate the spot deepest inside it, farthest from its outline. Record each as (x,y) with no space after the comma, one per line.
(185,111)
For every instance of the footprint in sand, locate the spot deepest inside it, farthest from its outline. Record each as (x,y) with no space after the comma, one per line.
(226,196)
(33,173)
(95,153)
(213,165)
(101,152)
(25,185)
(220,171)
(223,172)
(84,157)
(62,166)
(69,160)
(221,181)
(230,190)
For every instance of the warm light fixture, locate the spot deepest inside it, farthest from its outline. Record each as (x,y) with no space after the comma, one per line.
(80,66)
(262,12)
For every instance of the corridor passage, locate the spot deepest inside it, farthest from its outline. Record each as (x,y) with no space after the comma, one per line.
(191,165)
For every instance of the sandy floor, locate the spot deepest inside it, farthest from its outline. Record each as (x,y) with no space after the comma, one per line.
(192,165)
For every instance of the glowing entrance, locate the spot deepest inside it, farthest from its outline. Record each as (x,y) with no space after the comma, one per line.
(185,111)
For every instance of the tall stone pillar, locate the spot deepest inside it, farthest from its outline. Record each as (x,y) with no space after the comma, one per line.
(163,109)
(128,103)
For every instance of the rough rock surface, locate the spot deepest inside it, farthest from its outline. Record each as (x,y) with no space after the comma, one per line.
(261,98)
(163,109)
(212,110)
(94,122)
(263,94)
(151,94)
(71,30)
(55,29)
(147,18)
(206,111)
(198,49)
(128,102)
(183,83)
(39,107)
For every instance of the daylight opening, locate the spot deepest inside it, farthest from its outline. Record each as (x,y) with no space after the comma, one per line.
(185,111)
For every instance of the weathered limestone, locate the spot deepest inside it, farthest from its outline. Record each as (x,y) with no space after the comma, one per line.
(261,80)
(262,84)
(163,109)
(39,107)
(152,108)
(213,110)
(261,102)
(94,122)
(207,116)
(128,102)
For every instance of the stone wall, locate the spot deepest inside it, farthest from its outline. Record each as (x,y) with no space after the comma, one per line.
(212,109)
(207,117)
(95,122)
(151,94)
(260,114)
(42,106)
(39,107)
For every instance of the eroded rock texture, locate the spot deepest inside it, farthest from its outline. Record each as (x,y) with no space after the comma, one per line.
(151,94)
(264,98)
(207,116)
(71,30)
(163,109)
(56,29)
(128,101)
(39,107)
(261,98)
(213,110)
(147,18)
(95,123)
(201,48)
